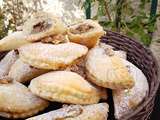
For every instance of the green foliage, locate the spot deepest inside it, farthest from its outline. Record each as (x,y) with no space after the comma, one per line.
(132,20)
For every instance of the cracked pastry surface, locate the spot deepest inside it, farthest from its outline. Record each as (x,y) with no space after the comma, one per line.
(13,41)
(22,72)
(16,101)
(41,25)
(7,62)
(125,100)
(107,70)
(65,87)
(49,56)
(86,33)
(77,112)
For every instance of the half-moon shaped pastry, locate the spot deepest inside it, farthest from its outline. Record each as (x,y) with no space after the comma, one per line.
(22,72)
(42,25)
(86,33)
(126,100)
(13,41)
(107,70)
(16,101)
(49,56)
(65,87)
(77,112)
(7,62)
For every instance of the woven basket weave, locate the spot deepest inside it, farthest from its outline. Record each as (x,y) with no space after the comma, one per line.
(142,57)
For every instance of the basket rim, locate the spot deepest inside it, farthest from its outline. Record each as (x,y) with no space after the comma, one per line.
(155,89)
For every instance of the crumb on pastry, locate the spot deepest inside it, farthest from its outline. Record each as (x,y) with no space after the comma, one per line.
(82,29)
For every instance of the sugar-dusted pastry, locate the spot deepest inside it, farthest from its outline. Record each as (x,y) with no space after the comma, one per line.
(13,41)
(86,33)
(125,100)
(7,62)
(109,50)
(41,25)
(77,112)
(49,56)
(65,87)
(22,72)
(107,70)
(16,101)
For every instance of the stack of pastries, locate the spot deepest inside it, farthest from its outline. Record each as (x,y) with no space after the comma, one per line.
(49,62)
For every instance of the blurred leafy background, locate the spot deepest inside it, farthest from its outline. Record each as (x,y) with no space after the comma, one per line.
(131,17)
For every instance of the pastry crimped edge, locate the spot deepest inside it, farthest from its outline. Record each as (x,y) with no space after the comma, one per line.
(23,114)
(69,95)
(77,112)
(115,84)
(56,28)
(44,64)
(13,41)
(15,110)
(90,38)
(25,72)
(127,100)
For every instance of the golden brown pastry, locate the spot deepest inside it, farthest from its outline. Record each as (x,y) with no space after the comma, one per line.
(125,100)
(86,33)
(16,101)
(13,41)
(41,25)
(107,70)
(76,112)
(65,87)
(49,56)
(22,72)
(7,62)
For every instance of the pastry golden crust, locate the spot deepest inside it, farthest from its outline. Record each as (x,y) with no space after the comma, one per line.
(125,100)
(7,62)
(22,72)
(66,87)
(13,41)
(42,25)
(86,33)
(48,56)
(77,112)
(16,101)
(107,71)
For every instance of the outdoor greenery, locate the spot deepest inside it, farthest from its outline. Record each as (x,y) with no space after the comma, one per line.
(127,16)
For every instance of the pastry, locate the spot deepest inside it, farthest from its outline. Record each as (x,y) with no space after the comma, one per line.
(16,101)
(76,112)
(78,66)
(41,25)
(22,72)
(107,70)
(65,87)
(49,56)
(7,62)
(13,41)
(126,100)
(87,33)
(109,50)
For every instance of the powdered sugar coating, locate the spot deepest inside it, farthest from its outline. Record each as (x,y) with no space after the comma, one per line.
(49,56)
(89,112)
(125,100)
(7,62)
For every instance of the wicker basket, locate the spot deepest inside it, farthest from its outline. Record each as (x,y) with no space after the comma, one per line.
(143,58)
